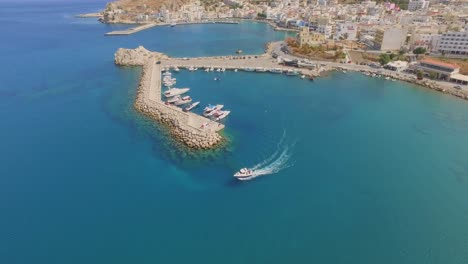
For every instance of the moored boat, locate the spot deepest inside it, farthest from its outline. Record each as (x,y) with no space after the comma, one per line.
(183,100)
(276,70)
(191,106)
(292,73)
(173,99)
(211,109)
(260,69)
(175,91)
(249,69)
(221,115)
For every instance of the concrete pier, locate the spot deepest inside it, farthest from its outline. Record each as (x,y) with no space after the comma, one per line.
(131,30)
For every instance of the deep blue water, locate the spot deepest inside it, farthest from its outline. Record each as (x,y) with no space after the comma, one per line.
(377,169)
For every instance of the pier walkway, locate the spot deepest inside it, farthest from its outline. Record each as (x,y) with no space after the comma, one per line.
(190,119)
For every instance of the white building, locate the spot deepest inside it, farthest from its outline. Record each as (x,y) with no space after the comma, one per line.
(390,38)
(415,5)
(325,29)
(453,43)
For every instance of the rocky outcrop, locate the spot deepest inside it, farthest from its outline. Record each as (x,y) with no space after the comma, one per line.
(135,57)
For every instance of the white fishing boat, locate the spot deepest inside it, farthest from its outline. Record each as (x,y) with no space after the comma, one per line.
(387,78)
(173,24)
(292,73)
(235,70)
(249,69)
(183,100)
(211,69)
(176,69)
(207,69)
(173,99)
(221,115)
(303,76)
(168,73)
(191,106)
(276,70)
(260,69)
(175,91)
(223,69)
(244,173)
(191,68)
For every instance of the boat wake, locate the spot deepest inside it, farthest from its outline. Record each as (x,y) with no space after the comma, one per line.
(278,161)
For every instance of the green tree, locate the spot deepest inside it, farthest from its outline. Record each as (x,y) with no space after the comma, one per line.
(384,59)
(432,75)
(419,50)
(420,75)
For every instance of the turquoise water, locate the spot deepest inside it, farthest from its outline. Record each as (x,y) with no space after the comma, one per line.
(376,170)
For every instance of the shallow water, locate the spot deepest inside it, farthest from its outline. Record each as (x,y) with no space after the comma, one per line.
(376,172)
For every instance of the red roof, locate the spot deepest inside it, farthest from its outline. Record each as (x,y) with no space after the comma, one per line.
(440,63)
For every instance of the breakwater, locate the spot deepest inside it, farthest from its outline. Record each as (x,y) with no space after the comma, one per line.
(194,131)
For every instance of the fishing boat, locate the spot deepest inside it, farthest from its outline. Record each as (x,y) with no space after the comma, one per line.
(217,79)
(276,70)
(211,69)
(207,69)
(168,73)
(176,69)
(223,69)
(191,68)
(183,100)
(175,91)
(292,73)
(303,76)
(244,173)
(239,51)
(173,24)
(221,115)
(260,69)
(218,70)
(235,70)
(173,99)
(249,69)
(191,106)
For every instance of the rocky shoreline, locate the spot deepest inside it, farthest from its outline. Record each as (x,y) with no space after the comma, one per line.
(178,122)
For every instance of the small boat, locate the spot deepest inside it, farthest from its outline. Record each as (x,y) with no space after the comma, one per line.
(173,24)
(239,51)
(173,99)
(175,91)
(223,69)
(191,68)
(235,70)
(191,106)
(183,100)
(176,69)
(211,109)
(168,73)
(292,73)
(249,69)
(207,70)
(303,76)
(211,69)
(244,173)
(276,70)
(221,114)
(387,78)
(260,69)
(344,71)
(217,79)
(218,70)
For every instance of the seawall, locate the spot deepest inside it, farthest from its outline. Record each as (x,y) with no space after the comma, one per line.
(185,127)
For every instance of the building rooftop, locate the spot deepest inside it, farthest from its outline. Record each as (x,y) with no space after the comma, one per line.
(440,63)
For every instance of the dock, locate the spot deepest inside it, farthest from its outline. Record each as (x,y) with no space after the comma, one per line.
(190,119)
(131,30)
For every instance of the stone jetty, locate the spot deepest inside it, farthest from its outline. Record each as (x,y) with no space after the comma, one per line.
(194,131)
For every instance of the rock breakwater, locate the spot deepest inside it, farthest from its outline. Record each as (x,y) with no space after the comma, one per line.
(192,130)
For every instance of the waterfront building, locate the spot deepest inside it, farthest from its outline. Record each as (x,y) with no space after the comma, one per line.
(389,38)
(442,70)
(455,43)
(325,29)
(306,37)
(414,5)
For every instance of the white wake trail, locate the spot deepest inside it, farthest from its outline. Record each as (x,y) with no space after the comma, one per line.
(281,162)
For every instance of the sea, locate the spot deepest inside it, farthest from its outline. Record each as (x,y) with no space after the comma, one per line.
(350,169)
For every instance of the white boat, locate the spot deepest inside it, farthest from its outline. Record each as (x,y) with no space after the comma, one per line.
(191,68)
(387,78)
(292,73)
(173,99)
(260,69)
(175,91)
(176,69)
(244,173)
(235,70)
(173,24)
(183,100)
(223,69)
(249,69)
(207,70)
(210,109)
(211,69)
(191,106)
(168,73)
(303,76)
(344,71)
(222,115)
(276,70)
